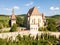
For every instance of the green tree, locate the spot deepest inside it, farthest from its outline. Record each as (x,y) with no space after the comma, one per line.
(20,21)
(3,41)
(13,28)
(1,26)
(51,25)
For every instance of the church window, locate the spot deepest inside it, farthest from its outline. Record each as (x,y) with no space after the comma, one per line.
(34,21)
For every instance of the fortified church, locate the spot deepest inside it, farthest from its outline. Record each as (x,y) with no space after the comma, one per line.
(35,19)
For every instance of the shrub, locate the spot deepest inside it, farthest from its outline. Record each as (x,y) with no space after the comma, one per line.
(1,26)
(51,25)
(13,28)
(41,29)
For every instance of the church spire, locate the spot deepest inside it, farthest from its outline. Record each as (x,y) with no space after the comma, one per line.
(13,11)
(13,15)
(13,18)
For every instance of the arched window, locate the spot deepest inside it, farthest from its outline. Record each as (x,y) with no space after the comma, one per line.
(34,21)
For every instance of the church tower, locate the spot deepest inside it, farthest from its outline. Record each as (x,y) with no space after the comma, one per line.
(13,18)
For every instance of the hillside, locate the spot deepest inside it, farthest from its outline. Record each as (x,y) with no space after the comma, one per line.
(7,17)
(4,17)
(55,17)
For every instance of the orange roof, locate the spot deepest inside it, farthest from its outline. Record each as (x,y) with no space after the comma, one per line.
(33,11)
(13,17)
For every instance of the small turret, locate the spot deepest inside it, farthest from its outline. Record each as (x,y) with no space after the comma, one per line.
(44,19)
(13,18)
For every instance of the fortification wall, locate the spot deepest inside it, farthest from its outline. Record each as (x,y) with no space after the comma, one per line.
(57,34)
(14,34)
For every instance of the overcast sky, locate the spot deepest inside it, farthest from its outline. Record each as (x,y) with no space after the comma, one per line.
(48,7)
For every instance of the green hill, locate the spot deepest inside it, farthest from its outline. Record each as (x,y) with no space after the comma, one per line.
(6,18)
(55,17)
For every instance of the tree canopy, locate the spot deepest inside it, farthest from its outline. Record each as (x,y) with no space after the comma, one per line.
(51,25)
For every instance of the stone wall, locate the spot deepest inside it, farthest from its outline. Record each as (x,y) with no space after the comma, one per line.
(57,34)
(5,29)
(14,34)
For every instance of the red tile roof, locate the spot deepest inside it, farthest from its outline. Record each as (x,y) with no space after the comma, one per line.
(33,11)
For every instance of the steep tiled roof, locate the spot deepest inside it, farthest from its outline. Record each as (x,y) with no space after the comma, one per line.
(33,11)
(13,17)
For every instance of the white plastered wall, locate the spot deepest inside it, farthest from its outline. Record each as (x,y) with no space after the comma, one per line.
(41,23)
(13,22)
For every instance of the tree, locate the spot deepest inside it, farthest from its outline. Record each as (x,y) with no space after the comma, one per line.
(3,41)
(1,26)
(20,21)
(13,28)
(41,29)
(51,25)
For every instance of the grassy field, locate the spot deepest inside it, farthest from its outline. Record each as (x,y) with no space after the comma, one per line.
(3,17)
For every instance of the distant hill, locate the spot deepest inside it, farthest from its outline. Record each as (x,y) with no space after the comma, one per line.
(6,17)
(56,17)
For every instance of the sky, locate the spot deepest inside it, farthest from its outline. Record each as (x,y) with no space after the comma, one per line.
(47,7)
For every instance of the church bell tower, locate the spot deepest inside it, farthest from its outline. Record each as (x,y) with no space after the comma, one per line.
(13,18)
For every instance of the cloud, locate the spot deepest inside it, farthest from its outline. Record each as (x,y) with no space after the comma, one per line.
(8,9)
(16,7)
(54,8)
(28,4)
